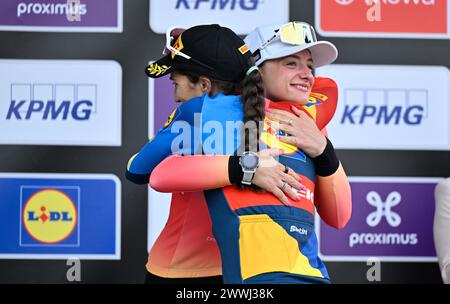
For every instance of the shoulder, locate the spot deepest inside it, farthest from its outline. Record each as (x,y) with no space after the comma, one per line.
(324,97)
(193,105)
(186,110)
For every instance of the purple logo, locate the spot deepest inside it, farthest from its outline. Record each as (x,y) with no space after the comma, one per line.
(392,220)
(61,15)
(383,209)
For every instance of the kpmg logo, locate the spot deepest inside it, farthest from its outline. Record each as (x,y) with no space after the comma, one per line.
(238,15)
(246,5)
(384,106)
(52,101)
(383,209)
(41,103)
(390,107)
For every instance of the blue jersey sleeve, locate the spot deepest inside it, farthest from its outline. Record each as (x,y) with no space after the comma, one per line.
(176,137)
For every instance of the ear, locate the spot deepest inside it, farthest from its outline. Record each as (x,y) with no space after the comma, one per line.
(205,84)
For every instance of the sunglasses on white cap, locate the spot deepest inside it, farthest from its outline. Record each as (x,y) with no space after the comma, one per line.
(295,33)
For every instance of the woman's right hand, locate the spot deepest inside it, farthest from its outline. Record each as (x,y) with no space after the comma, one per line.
(271,177)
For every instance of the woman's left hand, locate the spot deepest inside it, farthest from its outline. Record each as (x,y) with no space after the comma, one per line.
(302,129)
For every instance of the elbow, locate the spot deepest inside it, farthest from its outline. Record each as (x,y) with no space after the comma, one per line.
(160,182)
(345,212)
(337,220)
(156,183)
(343,220)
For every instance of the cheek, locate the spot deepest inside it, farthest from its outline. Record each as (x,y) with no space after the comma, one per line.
(179,93)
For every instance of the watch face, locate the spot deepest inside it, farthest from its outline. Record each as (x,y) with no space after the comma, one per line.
(250,161)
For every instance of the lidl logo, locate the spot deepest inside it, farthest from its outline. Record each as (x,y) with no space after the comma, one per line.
(49,216)
(60,216)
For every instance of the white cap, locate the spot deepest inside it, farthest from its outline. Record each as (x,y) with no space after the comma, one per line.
(322,52)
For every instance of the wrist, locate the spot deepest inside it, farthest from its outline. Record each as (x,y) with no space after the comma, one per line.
(327,162)
(322,147)
(235,172)
(249,162)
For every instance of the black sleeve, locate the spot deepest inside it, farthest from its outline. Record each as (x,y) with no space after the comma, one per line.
(235,173)
(326,163)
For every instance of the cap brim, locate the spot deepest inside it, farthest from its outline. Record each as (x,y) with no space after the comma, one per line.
(160,68)
(322,52)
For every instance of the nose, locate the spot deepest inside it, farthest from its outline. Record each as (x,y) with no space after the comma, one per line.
(305,73)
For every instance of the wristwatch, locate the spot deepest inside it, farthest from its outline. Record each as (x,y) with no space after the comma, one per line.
(249,162)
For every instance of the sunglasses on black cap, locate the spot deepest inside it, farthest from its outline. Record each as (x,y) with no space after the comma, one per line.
(172,36)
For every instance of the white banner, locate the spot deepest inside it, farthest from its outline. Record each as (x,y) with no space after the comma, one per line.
(390,107)
(61,102)
(242,16)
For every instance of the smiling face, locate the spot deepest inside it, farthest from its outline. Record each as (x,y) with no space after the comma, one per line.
(184,89)
(289,78)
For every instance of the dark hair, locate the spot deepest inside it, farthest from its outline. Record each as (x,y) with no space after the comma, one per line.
(254,106)
(252,90)
(225,87)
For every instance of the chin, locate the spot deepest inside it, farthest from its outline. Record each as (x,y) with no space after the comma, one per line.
(300,99)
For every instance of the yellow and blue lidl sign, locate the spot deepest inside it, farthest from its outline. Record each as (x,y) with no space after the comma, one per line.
(57,216)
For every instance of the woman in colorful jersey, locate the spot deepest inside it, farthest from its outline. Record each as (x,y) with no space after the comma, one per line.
(262,240)
(186,247)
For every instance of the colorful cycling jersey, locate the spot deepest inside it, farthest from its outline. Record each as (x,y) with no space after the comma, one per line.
(186,247)
(260,239)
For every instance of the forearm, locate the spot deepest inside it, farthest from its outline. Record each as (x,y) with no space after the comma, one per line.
(141,164)
(334,198)
(192,173)
(333,195)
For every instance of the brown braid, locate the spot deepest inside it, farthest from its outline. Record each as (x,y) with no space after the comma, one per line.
(253,100)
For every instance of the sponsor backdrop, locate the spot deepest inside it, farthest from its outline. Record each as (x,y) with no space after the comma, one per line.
(75,104)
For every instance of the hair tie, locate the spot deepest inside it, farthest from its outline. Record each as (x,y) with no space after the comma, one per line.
(251,69)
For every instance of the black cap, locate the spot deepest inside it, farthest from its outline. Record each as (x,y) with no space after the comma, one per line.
(215,52)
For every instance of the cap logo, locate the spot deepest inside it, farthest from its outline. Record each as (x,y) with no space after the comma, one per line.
(244,49)
(156,69)
(178,45)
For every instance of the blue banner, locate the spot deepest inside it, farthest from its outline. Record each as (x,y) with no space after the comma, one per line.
(57,216)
